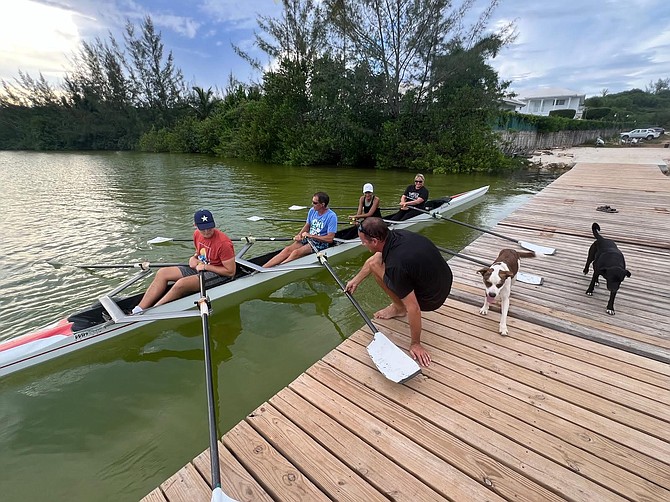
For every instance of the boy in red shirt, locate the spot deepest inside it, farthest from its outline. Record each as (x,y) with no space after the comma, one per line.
(214,253)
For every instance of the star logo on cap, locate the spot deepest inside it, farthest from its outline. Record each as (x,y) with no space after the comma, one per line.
(204,218)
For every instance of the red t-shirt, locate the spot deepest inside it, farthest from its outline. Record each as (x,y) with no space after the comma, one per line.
(213,251)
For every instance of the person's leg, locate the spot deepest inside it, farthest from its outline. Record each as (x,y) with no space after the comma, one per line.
(181,288)
(299,253)
(159,285)
(375,266)
(282,255)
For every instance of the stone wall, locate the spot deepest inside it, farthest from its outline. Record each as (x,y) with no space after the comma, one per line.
(525,142)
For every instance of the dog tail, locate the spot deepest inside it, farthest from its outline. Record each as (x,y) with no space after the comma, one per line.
(595,228)
(526,254)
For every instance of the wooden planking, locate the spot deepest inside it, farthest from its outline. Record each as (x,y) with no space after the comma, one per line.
(571,457)
(234,477)
(537,415)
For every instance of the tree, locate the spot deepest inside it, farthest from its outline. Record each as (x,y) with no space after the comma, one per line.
(203,102)
(401,39)
(156,83)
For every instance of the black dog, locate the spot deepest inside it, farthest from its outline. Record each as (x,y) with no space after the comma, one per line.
(607,261)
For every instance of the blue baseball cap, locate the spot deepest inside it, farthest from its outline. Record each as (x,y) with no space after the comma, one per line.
(204,219)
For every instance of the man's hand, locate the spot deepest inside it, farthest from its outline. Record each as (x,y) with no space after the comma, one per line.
(351,287)
(419,354)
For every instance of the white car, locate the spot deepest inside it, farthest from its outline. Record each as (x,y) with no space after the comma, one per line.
(647,134)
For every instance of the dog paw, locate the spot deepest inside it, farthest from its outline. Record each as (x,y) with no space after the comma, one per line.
(610,311)
(483,311)
(503,330)
(589,293)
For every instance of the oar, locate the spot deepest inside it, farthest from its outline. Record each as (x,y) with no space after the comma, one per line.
(392,362)
(203,304)
(353,208)
(520,276)
(524,244)
(296,220)
(161,240)
(144,265)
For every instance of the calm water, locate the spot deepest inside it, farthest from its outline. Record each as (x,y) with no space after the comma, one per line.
(113,421)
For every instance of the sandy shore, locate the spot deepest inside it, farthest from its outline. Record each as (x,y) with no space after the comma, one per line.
(565,158)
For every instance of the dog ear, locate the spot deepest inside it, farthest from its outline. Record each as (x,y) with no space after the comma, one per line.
(483,270)
(627,273)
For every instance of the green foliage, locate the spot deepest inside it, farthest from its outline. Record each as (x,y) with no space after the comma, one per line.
(637,108)
(566,113)
(597,113)
(109,98)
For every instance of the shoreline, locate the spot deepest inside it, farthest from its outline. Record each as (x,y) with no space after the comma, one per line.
(566,158)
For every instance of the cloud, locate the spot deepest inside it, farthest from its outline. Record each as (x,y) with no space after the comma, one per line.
(238,14)
(586,46)
(42,45)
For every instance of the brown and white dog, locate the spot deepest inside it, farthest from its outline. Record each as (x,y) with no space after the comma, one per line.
(498,280)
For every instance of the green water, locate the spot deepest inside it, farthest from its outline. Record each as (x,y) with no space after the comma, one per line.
(113,421)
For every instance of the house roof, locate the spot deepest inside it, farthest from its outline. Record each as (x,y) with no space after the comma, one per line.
(548,92)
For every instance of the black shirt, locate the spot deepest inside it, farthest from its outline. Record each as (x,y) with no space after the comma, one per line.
(413,263)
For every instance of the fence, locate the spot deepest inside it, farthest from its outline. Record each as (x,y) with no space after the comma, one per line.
(524,142)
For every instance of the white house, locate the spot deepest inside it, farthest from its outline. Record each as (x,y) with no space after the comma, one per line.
(512,104)
(545,99)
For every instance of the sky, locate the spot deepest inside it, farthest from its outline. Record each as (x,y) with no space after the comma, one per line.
(586,46)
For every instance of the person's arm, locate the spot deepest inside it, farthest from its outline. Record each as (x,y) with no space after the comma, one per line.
(303,232)
(227,267)
(359,211)
(358,278)
(373,207)
(414,319)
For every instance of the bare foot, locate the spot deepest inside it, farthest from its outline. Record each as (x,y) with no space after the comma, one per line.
(390,312)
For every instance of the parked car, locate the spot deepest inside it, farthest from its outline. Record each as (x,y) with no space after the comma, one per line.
(647,134)
(659,130)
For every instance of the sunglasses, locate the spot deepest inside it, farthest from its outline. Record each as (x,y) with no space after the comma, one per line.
(315,202)
(418,181)
(362,230)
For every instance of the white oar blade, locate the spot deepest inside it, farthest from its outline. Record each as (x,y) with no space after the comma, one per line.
(159,240)
(297,208)
(539,250)
(219,496)
(536,280)
(254,218)
(392,362)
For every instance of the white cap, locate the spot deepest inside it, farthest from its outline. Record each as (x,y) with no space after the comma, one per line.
(368,188)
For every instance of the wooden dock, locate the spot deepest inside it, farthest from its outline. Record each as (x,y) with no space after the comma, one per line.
(573,405)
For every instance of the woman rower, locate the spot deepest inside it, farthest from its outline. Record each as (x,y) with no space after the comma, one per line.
(368,204)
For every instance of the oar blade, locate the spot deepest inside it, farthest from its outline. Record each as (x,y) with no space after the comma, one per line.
(255,218)
(539,250)
(297,208)
(219,496)
(391,361)
(535,280)
(159,240)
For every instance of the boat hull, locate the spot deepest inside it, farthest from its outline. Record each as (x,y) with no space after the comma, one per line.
(66,336)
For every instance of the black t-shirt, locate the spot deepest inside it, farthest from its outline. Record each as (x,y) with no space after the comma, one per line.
(413,193)
(413,263)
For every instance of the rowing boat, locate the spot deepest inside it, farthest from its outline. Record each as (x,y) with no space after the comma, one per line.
(107,318)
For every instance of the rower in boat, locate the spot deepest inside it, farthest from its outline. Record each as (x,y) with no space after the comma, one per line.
(320,226)
(414,196)
(93,325)
(214,254)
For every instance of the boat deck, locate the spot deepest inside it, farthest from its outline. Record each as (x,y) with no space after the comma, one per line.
(539,415)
